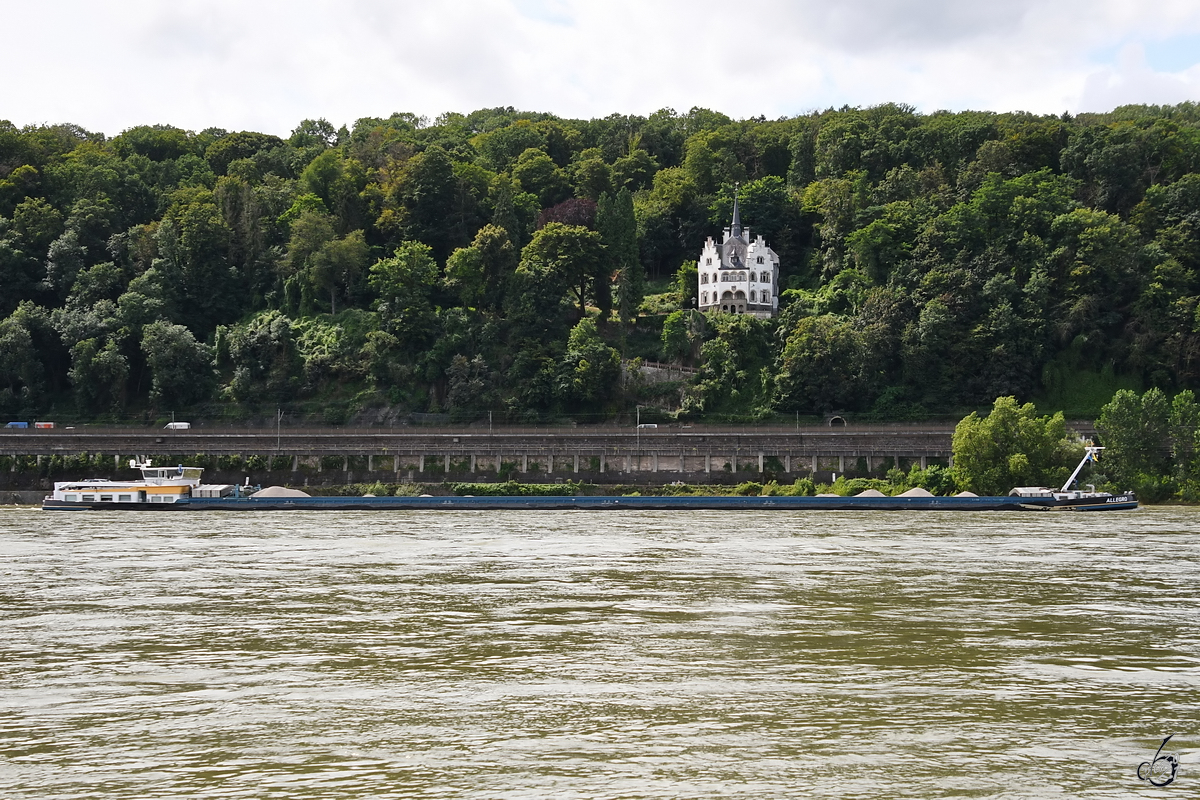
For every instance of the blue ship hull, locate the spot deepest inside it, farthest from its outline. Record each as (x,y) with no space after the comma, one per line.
(724,503)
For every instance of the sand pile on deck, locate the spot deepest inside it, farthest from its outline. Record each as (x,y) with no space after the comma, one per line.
(916,491)
(280,491)
(966,494)
(871,493)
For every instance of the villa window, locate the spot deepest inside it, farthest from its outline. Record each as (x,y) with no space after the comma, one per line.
(752,294)
(708,262)
(760,259)
(704,278)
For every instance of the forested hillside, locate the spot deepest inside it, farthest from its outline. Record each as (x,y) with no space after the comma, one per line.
(506,261)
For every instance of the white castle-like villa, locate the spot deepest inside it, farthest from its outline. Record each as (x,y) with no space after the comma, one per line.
(739,276)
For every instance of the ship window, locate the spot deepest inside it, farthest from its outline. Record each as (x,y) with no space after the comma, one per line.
(124,498)
(89,498)
(106,498)
(71,498)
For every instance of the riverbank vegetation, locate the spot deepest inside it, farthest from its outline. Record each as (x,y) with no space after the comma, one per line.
(514,263)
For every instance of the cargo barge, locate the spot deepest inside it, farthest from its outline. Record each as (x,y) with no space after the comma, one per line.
(181,489)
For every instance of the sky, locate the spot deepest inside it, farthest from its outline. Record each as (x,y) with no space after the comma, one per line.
(266,65)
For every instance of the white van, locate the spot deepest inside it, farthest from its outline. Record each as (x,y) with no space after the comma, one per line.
(648,425)
(177,426)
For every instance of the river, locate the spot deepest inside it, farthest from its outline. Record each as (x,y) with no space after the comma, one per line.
(597,655)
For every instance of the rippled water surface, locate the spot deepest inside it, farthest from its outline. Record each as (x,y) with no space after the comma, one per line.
(597,655)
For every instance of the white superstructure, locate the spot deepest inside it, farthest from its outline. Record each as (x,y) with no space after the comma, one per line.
(158,485)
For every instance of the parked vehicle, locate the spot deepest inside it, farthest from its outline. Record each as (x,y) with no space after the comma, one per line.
(177,426)
(17,425)
(43,424)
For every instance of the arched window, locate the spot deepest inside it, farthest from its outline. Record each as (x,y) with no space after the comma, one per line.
(708,262)
(704,277)
(765,296)
(704,298)
(760,259)
(753,277)
(752,295)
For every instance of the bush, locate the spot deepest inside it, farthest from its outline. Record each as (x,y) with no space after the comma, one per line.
(514,489)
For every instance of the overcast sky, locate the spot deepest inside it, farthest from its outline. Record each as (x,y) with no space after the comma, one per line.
(265,64)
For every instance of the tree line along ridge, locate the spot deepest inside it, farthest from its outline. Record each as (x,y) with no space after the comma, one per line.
(515,263)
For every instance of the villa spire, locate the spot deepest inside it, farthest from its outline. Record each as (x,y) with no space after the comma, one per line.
(736,228)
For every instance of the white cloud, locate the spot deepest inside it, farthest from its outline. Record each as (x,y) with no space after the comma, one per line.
(1132,81)
(267,64)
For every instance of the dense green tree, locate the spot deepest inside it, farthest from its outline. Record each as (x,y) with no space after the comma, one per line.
(260,358)
(467,383)
(540,176)
(1135,431)
(422,202)
(1184,423)
(192,270)
(571,257)
(617,224)
(1012,446)
(827,364)
(590,175)
(334,267)
(99,372)
(21,372)
(682,336)
(479,273)
(589,373)
(181,368)
(233,146)
(735,370)
(404,286)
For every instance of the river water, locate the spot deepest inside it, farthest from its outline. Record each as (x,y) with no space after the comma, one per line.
(597,655)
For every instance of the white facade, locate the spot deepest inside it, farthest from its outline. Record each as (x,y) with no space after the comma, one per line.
(738,276)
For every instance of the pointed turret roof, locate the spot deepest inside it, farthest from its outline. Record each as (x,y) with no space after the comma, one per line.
(736,228)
